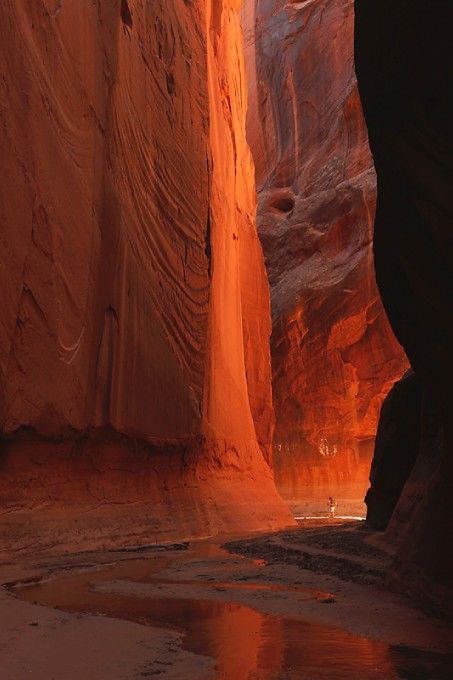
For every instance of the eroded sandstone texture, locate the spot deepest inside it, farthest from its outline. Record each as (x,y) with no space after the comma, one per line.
(135,393)
(334,354)
(404,62)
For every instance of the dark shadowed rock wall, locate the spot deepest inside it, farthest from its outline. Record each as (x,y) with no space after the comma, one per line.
(396,449)
(404,62)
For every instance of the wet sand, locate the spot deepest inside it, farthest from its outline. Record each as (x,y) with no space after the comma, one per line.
(304,604)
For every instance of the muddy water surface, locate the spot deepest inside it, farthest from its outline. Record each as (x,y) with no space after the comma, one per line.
(245,643)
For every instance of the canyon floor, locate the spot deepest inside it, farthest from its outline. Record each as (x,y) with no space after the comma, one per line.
(308,603)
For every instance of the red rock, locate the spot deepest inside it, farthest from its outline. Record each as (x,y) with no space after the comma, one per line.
(135,373)
(334,354)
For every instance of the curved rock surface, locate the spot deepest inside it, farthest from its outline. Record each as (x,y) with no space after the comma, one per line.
(404,61)
(334,354)
(396,449)
(134,326)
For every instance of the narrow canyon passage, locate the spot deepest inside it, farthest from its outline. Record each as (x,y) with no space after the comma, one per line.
(334,356)
(225,276)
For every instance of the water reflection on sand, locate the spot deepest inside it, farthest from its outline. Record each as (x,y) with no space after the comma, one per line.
(245,643)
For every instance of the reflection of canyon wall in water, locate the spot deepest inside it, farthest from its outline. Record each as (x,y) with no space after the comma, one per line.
(244,642)
(249,644)
(135,375)
(334,355)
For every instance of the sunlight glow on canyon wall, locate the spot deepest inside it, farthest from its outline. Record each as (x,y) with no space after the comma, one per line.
(134,329)
(334,355)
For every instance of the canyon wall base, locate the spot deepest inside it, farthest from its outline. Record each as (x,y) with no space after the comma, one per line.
(102,490)
(396,449)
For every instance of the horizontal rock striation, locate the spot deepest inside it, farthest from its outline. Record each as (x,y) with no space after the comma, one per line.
(334,354)
(134,326)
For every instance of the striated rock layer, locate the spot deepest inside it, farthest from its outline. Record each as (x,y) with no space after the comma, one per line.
(135,395)
(334,355)
(404,61)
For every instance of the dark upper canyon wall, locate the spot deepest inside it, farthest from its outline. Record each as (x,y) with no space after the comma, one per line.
(135,393)
(404,63)
(334,354)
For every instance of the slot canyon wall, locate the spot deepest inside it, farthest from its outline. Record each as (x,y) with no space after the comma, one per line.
(135,394)
(334,354)
(404,61)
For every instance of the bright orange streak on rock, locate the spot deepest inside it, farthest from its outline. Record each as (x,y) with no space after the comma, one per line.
(135,318)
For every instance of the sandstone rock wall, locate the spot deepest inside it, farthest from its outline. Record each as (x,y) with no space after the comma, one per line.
(134,324)
(396,450)
(404,62)
(334,355)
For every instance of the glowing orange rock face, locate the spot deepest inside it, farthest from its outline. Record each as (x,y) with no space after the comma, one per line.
(134,296)
(334,355)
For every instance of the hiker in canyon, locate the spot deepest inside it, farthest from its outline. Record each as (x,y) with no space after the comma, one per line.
(332,506)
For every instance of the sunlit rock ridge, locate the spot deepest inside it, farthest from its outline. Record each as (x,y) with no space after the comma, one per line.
(135,393)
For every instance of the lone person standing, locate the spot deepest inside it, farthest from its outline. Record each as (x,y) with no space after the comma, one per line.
(332,506)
